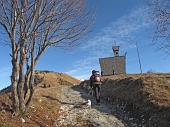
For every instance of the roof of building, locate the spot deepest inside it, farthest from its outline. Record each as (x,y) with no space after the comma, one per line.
(111,57)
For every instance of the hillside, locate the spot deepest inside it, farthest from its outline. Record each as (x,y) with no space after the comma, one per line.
(53,79)
(145,98)
(43,111)
(127,101)
(58,102)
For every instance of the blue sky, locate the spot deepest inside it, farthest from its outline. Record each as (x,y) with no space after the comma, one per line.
(123,21)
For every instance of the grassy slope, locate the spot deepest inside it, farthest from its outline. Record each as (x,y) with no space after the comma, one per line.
(44,110)
(139,89)
(146,94)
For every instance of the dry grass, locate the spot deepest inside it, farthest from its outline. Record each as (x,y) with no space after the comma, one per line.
(143,94)
(148,94)
(45,106)
(53,79)
(153,87)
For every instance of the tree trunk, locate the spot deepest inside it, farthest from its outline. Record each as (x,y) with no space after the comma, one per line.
(31,88)
(31,80)
(31,85)
(14,82)
(21,82)
(26,84)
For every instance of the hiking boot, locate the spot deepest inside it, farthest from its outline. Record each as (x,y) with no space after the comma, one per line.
(98,102)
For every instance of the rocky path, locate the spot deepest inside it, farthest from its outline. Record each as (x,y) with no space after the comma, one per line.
(72,111)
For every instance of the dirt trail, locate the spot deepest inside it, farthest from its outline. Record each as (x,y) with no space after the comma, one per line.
(72,111)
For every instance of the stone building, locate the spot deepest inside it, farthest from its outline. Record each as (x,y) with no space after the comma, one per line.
(113,65)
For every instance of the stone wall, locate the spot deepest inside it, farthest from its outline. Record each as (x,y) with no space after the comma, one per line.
(113,65)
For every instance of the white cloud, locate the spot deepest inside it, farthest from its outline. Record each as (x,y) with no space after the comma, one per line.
(83,77)
(121,30)
(82,68)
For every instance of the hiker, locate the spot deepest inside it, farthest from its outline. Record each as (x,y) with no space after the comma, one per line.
(102,73)
(95,82)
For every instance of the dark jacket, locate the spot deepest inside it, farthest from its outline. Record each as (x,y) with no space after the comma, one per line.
(93,82)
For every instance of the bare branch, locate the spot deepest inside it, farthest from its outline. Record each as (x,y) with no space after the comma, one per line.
(35,25)
(160,12)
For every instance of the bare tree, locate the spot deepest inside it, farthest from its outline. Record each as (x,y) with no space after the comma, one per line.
(32,27)
(160,12)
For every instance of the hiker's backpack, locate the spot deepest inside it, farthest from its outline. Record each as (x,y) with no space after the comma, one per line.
(96,77)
